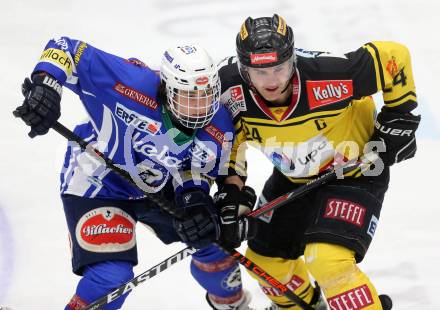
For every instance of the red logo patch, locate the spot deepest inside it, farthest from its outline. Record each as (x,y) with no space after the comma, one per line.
(136,62)
(106,229)
(357,298)
(346,211)
(264,58)
(392,67)
(203,80)
(237,93)
(321,93)
(135,95)
(216,133)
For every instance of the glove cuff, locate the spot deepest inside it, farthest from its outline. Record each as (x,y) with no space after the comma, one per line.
(46,80)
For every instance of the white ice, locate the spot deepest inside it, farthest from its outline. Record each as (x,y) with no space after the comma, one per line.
(404,257)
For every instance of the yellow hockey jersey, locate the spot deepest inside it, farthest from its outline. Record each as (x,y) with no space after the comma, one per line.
(330,114)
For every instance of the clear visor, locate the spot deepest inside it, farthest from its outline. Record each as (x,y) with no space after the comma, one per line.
(194,108)
(265,77)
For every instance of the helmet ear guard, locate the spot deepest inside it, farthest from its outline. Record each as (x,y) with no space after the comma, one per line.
(264,42)
(192,85)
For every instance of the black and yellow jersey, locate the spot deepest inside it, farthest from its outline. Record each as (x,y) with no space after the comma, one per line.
(330,114)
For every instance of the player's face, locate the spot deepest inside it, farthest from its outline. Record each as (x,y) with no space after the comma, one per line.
(194,103)
(271,82)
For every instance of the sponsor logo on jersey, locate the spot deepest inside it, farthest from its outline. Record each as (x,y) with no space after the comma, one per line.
(58,58)
(357,298)
(201,152)
(372,226)
(322,93)
(292,285)
(234,100)
(79,52)
(216,133)
(62,43)
(135,95)
(299,159)
(160,156)
(140,122)
(310,157)
(315,54)
(264,58)
(106,229)
(392,67)
(149,175)
(346,211)
(136,62)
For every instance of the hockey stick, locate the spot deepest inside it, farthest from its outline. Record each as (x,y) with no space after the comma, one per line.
(304,189)
(267,207)
(146,275)
(248,264)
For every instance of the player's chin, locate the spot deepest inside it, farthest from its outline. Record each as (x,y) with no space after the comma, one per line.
(271,95)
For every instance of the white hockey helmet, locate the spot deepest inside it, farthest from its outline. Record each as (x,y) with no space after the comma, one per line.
(192,83)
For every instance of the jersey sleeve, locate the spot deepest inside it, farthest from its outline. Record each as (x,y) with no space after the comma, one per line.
(60,58)
(100,79)
(237,164)
(384,66)
(233,99)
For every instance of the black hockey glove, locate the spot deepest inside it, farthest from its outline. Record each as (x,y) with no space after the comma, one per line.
(233,204)
(397,133)
(41,107)
(197,225)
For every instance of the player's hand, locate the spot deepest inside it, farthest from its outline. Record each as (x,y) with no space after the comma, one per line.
(233,204)
(41,107)
(396,131)
(198,224)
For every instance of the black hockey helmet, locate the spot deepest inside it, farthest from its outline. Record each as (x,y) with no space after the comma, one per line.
(264,42)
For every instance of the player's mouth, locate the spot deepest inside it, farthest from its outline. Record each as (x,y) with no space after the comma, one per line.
(271,89)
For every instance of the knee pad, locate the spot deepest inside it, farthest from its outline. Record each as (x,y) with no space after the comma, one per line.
(100,279)
(343,283)
(292,273)
(329,261)
(218,273)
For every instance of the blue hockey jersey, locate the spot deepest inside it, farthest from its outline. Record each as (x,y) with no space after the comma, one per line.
(130,125)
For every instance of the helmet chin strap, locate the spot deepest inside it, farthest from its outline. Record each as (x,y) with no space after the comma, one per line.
(288,84)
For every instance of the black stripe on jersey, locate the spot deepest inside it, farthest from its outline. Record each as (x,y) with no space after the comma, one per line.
(235,121)
(290,124)
(400,98)
(239,129)
(305,291)
(379,65)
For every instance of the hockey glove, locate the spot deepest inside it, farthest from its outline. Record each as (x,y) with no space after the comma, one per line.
(233,204)
(197,224)
(41,107)
(396,131)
